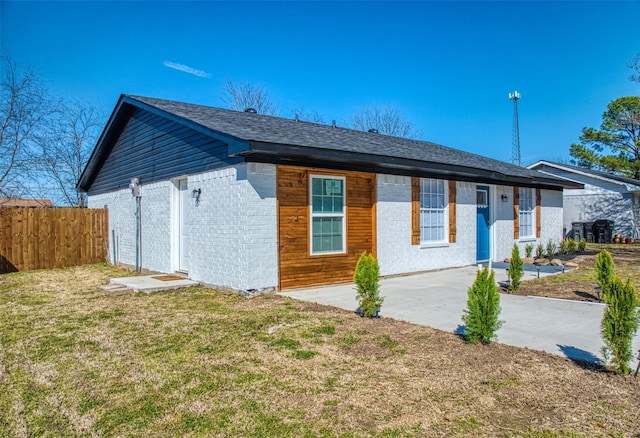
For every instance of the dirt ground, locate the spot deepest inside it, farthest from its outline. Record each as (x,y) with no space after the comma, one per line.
(579,284)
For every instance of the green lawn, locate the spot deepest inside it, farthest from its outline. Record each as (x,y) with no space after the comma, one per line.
(198,362)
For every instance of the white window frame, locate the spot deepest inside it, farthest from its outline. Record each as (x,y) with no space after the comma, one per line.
(342,215)
(443,212)
(527,213)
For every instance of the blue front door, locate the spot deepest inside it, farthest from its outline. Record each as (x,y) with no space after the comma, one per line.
(482,223)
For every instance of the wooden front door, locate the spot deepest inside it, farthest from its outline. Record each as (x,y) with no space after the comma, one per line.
(301,217)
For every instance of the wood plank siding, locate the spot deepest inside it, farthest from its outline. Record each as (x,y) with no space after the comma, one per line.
(298,268)
(153,148)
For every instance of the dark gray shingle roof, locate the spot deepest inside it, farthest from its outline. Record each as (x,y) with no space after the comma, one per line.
(277,140)
(268,129)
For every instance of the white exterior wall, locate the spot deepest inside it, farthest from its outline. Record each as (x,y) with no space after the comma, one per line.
(234,237)
(154,208)
(502,224)
(601,198)
(550,228)
(232,232)
(396,254)
(595,203)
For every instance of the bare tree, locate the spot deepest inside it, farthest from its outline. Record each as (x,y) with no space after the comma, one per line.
(386,119)
(244,95)
(307,115)
(634,65)
(24,108)
(64,148)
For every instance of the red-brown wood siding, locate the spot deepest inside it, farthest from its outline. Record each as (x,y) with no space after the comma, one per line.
(297,267)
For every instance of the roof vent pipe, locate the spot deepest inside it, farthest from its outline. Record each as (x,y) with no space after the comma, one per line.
(333,123)
(373,130)
(250,110)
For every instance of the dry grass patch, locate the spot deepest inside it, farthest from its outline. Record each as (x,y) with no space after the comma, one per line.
(579,284)
(200,362)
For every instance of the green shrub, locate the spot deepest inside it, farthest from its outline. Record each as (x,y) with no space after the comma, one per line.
(604,271)
(483,309)
(582,244)
(564,246)
(540,251)
(516,270)
(551,248)
(528,250)
(619,325)
(572,246)
(366,277)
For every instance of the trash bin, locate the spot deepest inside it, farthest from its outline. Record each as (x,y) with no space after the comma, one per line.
(603,231)
(578,230)
(588,232)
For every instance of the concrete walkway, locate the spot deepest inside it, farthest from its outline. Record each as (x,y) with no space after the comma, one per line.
(437,299)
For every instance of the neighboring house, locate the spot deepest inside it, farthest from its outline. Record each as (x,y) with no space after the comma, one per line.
(18,202)
(249,201)
(604,196)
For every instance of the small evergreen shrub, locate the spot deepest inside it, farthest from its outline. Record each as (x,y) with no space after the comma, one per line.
(366,277)
(564,247)
(528,250)
(582,244)
(604,271)
(540,251)
(572,246)
(619,325)
(516,269)
(483,309)
(551,248)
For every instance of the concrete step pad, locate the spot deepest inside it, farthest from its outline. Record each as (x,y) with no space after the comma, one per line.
(114,289)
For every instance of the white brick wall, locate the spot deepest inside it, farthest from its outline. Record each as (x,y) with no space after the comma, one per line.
(614,206)
(232,232)
(396,254)
(502,228)
(551,222)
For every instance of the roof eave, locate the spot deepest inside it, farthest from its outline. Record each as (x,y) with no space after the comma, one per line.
(586,173)
(343,160)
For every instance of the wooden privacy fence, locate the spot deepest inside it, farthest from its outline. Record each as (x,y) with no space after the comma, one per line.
(43,238)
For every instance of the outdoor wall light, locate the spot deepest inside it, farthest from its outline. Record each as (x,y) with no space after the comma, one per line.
(504,197)
(195,194)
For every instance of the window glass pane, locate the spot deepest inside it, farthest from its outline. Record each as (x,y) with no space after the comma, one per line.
(327,205)
(316,185)
(327,234)
(526,217)
(433,204)
(317,204)
(337,243)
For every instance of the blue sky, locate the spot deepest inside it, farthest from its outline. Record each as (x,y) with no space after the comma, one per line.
(449,66)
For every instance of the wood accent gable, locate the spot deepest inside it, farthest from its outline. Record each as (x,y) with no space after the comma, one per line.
(154,148)
(297,267)
(415,210)
(538,213)
(452,211)
(516,212)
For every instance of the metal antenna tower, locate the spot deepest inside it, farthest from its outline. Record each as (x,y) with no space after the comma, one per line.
(515,148)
